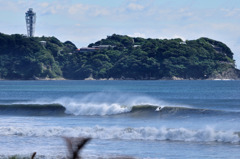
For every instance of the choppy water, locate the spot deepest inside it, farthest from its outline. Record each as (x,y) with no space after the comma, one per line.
(141,119)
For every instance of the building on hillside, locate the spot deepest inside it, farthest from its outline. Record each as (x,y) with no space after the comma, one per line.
(102,46)
(94,48)
(136,46)
(183,43)
(87,49)
(43,43)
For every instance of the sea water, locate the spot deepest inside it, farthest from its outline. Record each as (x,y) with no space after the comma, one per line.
(139,119)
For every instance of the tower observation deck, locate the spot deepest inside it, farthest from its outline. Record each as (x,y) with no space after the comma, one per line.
(30,22)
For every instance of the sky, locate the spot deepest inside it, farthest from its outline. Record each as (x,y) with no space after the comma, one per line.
(87,21)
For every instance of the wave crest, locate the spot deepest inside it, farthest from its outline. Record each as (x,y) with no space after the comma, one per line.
(104,104)
(101,103)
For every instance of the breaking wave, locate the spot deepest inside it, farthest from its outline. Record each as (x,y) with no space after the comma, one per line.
(102,104)
(90,104)
(103,110)
(117,133)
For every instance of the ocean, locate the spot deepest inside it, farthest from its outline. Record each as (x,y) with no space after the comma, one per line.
(138,119)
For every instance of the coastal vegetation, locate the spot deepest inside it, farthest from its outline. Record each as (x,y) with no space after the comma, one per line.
(124,58)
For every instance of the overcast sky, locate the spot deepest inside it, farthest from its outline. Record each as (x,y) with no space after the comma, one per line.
(86,21)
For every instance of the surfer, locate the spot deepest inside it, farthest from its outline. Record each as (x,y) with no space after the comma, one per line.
(158,109)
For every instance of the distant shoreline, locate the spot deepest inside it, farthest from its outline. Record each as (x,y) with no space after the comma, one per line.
(126,79)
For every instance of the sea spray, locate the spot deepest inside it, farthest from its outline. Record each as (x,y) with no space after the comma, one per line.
(103,103)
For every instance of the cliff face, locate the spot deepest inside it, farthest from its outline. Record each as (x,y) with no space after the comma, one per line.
(231,73)
(116,57)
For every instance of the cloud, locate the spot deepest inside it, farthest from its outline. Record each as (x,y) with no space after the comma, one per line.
(231,12)
(135,7)
(229,27)
(77,8)
(87,10)
(44,4)
(97,11)
(141,35)
(41,7)
(10,6)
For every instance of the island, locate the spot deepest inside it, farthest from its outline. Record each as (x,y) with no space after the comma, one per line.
(117,57)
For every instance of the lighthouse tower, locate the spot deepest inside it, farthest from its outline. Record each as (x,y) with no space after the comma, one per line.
(30,22)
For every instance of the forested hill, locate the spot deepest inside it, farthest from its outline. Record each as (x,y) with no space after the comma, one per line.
(116,57)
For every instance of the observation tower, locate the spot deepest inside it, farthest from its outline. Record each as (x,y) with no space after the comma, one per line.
(30,22)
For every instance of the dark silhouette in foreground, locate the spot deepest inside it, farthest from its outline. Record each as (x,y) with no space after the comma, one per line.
(33,155)
(75,145)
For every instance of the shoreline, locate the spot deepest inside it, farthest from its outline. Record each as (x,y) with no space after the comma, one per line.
(126,79)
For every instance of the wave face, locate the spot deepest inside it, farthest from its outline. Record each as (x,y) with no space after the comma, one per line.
(102,104)
(104,109)
(90,104)
(142,133)
(33,110)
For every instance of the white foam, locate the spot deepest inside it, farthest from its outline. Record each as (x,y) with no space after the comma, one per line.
(101,103)
(141,133)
